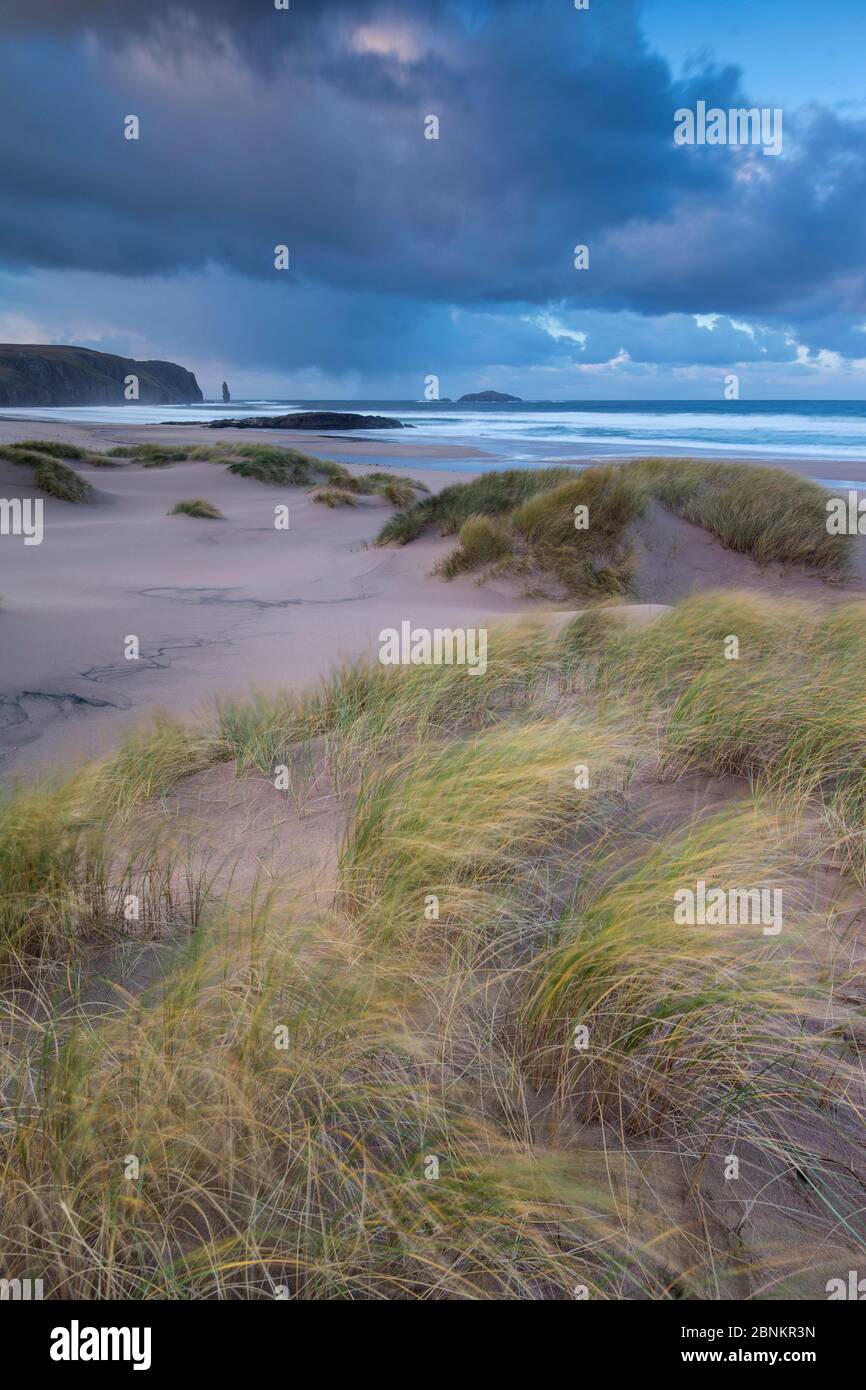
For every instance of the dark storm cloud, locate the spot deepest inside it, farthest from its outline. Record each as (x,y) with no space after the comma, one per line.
(554,128)
(249,21)
(261,127)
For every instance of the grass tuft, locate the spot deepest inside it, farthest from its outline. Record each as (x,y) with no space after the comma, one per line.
(335,497)
(399,492)
(54,449)
(773,516)
(276,467)
(197,507)
(482,542)
(62,482)
(406,526)
(151,455)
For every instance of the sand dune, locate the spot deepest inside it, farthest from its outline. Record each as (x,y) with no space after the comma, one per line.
(216,606)
(219,607)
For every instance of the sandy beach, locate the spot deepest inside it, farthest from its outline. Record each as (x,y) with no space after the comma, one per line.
(432,636)
(220,608)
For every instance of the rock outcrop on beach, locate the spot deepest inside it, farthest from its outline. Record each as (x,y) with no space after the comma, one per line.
(479,396)
(311,420)
(49,375)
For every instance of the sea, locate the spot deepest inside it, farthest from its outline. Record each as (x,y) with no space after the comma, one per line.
(539,432)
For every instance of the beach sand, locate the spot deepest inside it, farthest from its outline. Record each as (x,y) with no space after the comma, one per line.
(219,607)
(223,607)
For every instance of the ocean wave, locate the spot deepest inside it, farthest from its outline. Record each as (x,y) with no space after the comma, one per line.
(799,429)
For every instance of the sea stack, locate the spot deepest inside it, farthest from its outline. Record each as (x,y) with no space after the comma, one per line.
(227,395)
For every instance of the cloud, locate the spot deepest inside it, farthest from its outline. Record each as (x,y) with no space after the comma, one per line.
(619,359)
(556,329)
(822,360)
(323,146)
(306,127)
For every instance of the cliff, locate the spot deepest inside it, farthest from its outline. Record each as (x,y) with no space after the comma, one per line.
(37,375)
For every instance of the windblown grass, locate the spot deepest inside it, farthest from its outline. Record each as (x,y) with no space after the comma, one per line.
(286,1088)
(367,711)
(55,837)
(150,761)
(350,482)
(399,492)
(313,1113)
(467,822)
(197,506)
(683,1020)
(54,449)
(335,497)
(482,542)
(210,453)
(494,494)
(151,455)
(60,481)
(33,452)
(798,727)
(15,454)
(406,526)
(382,477)
(774,516)
(49,846)
(591,560)
(276,467)
(49,474)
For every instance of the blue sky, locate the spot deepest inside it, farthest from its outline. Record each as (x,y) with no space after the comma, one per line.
(455,257)
(790,52)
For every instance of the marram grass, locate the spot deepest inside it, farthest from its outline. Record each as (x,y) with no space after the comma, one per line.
(50,475)
(684,1020)
(386,1102)
(197,507)
(773,516)
(279,1120)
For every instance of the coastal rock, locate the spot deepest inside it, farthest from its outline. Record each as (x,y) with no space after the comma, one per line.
(49,375)
(476,396)
(311,420)
(227,395)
